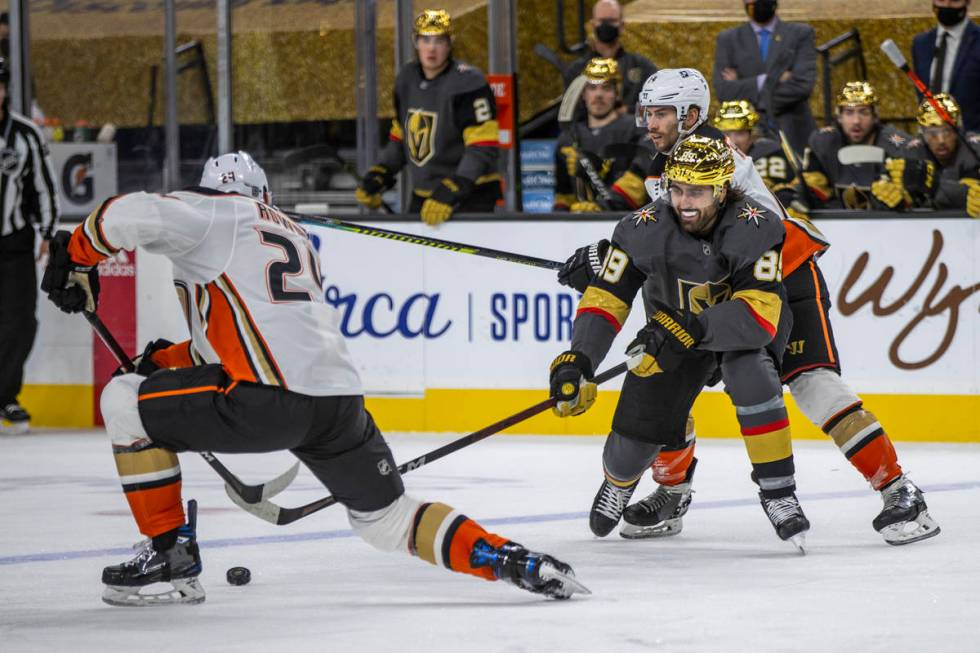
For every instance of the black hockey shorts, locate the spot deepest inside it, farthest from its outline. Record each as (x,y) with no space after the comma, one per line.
(202,409)
(811,340)
(654,409)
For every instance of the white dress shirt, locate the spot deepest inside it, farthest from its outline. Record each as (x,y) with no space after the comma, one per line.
(952,46)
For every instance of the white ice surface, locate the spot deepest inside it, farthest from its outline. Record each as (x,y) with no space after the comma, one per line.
(725,584)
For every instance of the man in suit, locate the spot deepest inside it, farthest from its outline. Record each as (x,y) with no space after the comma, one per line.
(955,44)
(773,65)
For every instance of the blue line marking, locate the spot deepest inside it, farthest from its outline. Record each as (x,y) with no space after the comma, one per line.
(498,521)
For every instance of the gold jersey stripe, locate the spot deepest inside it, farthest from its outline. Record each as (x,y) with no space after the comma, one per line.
(605,301)
(766,305)
(485,133)
(145,462)
(632,186)
(428,529)
(769,447)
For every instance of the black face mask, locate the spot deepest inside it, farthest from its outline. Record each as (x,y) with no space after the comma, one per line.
(607,32)
(761,11)
(949,16)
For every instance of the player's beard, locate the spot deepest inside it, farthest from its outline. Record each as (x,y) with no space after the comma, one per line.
(694,222)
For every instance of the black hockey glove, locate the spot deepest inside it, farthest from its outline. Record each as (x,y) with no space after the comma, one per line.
(444,199)
(144,364)
(570,372)
(377,180)
(583,266)
(73,288)
(668,337)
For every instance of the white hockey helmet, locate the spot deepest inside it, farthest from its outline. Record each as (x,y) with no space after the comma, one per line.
(681,88)
(237,172)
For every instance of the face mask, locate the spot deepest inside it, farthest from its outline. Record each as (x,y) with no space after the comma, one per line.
(761,11)
(949,16)
(607,32)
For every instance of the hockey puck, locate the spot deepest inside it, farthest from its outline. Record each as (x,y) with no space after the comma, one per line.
(238,576)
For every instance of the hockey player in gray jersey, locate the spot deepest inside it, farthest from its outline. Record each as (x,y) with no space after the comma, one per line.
(612,145)
(672,107)
(445,131)
(737,120)
(958,168)
(837,185)
(708,262)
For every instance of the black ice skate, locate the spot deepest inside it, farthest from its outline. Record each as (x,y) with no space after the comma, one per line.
(788,519)
(608,506)
(659,514)
(534,572)
(18,420)
(905,518)
(180,565)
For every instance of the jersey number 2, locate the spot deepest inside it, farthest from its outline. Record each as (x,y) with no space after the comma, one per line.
(277,271)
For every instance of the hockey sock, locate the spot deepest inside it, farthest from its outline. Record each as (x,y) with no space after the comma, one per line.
(766,433)
(443,537)
(670,467)
(864,442)
(151,480)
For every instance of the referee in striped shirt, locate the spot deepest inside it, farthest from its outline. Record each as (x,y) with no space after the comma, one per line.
(28,195)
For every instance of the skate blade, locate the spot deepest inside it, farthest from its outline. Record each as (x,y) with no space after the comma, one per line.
(186,591)
(908,532)
(15,428)
(569,583)
(799,541)
(666,528)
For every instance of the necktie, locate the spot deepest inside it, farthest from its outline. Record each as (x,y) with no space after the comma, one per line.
(936,83)
(764,43)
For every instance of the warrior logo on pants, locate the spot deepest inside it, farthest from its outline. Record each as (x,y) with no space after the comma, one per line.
(421,128)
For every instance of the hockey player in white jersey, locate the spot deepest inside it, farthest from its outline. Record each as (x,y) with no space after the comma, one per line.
(265,369)
(672,106)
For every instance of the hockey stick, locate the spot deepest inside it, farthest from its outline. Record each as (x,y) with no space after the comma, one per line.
(275,514)
(413,239)
(797,167)
(895,55)
(249,493)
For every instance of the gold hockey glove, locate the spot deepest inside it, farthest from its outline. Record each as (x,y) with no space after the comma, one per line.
(445,198)
(669,336)
(585,207)
(570,372)
(972,196)
(891,194)
(377,180)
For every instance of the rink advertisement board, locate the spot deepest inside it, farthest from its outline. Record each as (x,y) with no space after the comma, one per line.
(451,342)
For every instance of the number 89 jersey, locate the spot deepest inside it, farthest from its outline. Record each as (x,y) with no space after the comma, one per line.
(247,278)
(731,278)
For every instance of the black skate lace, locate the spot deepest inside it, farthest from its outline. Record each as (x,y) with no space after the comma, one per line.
(779,510)
(613,500)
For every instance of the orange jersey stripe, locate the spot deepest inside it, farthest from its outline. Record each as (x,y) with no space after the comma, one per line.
(178,355)
(823,316)
(798,247)
(266,351)
(225,338)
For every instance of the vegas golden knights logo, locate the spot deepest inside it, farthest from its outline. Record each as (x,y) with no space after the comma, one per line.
(421,133)
(696,297)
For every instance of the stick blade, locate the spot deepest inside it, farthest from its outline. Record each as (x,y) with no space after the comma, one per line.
(264,510)
(280,483)
(569,101)
(857,154)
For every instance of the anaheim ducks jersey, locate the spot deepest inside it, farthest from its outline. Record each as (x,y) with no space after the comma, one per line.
(850,185)
(731,278)
(612,151)
(950,194)
(443,127)
(248,279)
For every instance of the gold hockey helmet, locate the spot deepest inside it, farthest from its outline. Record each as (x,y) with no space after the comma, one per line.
(701,161)
(857,94)
(736,115)
(433,22)
(600,70)
(927,116)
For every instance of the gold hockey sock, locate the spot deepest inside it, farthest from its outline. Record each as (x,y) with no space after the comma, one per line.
(861,439)
(443,537)
(151,480)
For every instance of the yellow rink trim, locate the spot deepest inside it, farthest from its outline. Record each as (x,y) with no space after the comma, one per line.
(59,406)
(926,418)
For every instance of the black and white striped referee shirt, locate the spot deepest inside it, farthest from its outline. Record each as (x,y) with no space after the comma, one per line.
(27,183)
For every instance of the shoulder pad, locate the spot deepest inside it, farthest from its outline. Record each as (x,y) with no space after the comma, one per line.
(892,137)
(751,230)
(973,137)
(827,130)
(764,147)
(467,77)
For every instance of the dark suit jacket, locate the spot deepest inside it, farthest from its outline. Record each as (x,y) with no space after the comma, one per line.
(966,70)
(792,47)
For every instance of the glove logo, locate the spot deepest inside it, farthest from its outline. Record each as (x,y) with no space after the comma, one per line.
(421,126)
(752,214)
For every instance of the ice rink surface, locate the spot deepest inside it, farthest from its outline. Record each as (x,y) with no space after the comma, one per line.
(725,584)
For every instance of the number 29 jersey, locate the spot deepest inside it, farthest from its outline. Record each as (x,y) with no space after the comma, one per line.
(247,277)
